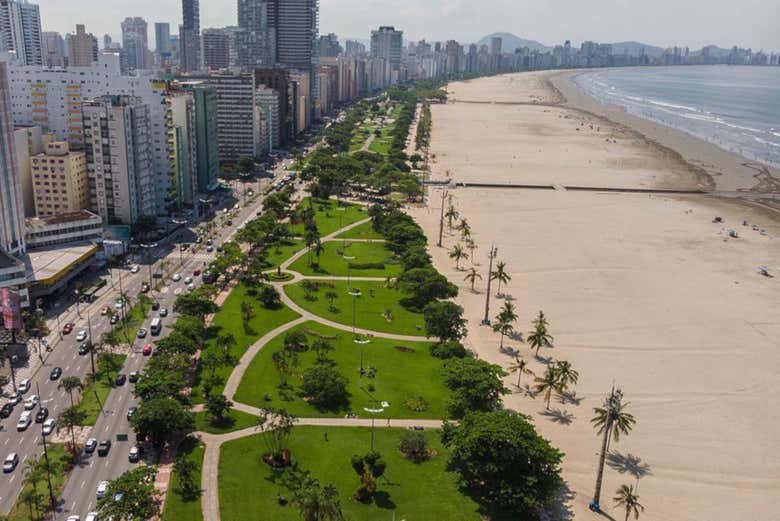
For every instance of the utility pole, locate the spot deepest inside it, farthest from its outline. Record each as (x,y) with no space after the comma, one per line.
(491,256)
(52,502)
(441,216)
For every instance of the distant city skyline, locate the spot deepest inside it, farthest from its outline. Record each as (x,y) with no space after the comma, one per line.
(665,23)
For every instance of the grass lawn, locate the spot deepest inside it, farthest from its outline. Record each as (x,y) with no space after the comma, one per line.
(127,329)
(57,454)
(280,251)
(329,217)
(401,374)
(370,308)
(234,421)
(96,391)
(360,136)
(381,145)
(177,507)
(228,320)
(412,491)
(331,261)
(362,231)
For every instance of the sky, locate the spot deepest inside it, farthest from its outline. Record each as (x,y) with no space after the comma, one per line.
(692,23)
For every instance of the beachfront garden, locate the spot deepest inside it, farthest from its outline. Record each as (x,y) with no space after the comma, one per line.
(328,215)
(231,420)
(281,250)
(403,374)
(361,231)
(342,258)
(182,501)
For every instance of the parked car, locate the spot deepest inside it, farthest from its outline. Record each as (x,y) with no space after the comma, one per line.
(6,410)
(24,421)
(188,280)
(14,397)
(10,462)
(176,277)
(23,386)
(120,380)
(81,336)
(90,446)
(209,249)
(41,415)
(131,411)
(55,373)
(103,447)
(102,488)
(144,288)
(114,319)
(191,287)
(142,333)
(135,268)
(134,455)
(92,516)
(68,327)
(48,426)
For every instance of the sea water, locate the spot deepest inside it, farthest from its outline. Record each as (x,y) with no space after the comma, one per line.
(735,108)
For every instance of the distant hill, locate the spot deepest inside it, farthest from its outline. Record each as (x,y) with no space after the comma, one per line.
(635,49)
(510,42)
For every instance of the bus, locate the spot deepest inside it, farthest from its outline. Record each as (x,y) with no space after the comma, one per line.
(156,326)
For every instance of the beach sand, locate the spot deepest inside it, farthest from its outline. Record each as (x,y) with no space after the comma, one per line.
(642,290)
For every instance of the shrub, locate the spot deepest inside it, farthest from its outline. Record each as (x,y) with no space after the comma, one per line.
(416,404)
(325,387)
(451,349)
(367,265)
(414,446)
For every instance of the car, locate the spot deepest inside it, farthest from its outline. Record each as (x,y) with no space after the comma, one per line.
(83,348)
(41,415)
(105,310)
(219,249)
(24,421)
(23,386)
(131,411)
(191,287)
(6,410)
(74,517)
(55,373)
(144,288)
(81,336)
(134,455)
(132,377)
(120,380)
(68,327)
(10,462)
(119,303)
(184,247)
(199,240)
(236,206)
(102,488)
(90,446)
(92,516)
(103,447)
(229,222)
(147,350)
(114,319)
(163,312)
(188,280)
(31,402)
(135,268)
(14,397)
(155,305)
(176,277)
(141,333)
(196,272)
(48,426)
(209,242)
(209,249)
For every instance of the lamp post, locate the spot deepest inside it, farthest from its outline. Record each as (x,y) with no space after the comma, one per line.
(46,456)
(492,255)
(374,411)
(355,294)
(348,258)
(14,360)
(441,217)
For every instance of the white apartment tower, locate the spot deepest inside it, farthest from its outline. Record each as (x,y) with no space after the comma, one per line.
(11,202)
(20,31)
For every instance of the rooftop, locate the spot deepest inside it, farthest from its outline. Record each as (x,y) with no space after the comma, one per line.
(49,265)
(41,222)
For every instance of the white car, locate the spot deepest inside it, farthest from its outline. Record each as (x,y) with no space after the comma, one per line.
(134,268)
(92,516)
(81,336)
(10,463)
(176,277)
(191,287)
(102,489)
(73,518)
(23,386)
(31,402)
(24,421)
(48,426)
(188,280)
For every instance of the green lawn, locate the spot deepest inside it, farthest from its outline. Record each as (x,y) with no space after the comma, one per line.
(330,216)
(96,391)
(228,320)
(415,492)
(280,251)
(360,136)
(381,145)
(234,421)
(127,329)
(331,262)
(57,455)
(370,307)
(361,231)
(178,507)
(404,371)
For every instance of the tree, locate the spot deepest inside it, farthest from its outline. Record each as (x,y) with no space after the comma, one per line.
(471,245)
(424,285)
(277,425)
(444,320)
(186,472)
(194,304)
(504,461)
(325,387)
(331,296)
(111,339)
(539,336)
(131,496)
(296,340)
(464,228)
(458,253)
(247,313)
(225,343)
(33,474)
(315,504)
(547,383)
(165,376)
(520,367)
(369,468)
(70,384)
(322,347)
(246,165)
(161,419)
(472,277)
(500,275)
(415,256)
(414,445)
(109,364)
(476,385)
(69,419)
(217,405)
(504,322)
(625,497)
(269,297)
(611,420)
(566,375)
(451,214)
(311,237)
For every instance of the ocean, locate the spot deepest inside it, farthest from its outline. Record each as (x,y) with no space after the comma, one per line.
(735,108)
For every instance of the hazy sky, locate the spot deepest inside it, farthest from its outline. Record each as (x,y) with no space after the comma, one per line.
(748,23)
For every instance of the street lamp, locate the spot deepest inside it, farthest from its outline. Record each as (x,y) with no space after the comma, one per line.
(355,294)
(373,411)
(348,258)
(14,361)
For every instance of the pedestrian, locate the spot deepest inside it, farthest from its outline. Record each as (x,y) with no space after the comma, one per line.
(326,435)
(388,422)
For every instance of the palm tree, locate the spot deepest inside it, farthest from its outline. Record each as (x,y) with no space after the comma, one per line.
(32,499)
(471,245)
(70,384)
(464,228)
(611,419)
(318,249)
(457,253)
(504,321)
(539,337)
(547,384)
(472,277)
(500,275)
(520,367)
(625,497)
(331,296)
(451,214)
(69,419)
(566,374)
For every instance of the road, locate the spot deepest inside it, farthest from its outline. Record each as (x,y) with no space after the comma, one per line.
(79,494)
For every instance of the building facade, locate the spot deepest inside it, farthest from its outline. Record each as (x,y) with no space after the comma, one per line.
(183,136)
(162,38)
(135,42)
(189,36)
(59,178)
(207,139)
(387,43)
(217,48)
(82,48)
(20,31)
(11,200)
(257,42)
(55,53)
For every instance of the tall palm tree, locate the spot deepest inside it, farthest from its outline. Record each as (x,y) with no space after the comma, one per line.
(451,214)
(471,245)
(611,420)
(539,337)
(69,419)
(70,384)
(505,321)
(457,253)
(566,374)
(520,367)
(472,277)
(464,228)
(625,497)
(500,275)
(546,384)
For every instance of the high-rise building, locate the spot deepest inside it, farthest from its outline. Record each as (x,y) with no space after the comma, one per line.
(329,45)
(279,80)
(135,42)
(217,45)
(29,142)
(55,53)
(162,38)
(297,26)
(11,203)
(82,48)
(119,158)
(107,41)
(206,138)
(59,180)
(267,108)
(257,43)
(386,43)
(354,48)
(20,31)
(189,36)
(182,134)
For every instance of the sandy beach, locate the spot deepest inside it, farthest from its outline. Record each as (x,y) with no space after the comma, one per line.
(642,290)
